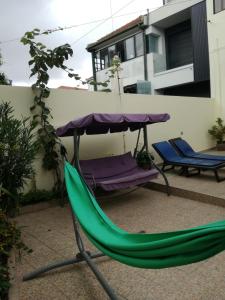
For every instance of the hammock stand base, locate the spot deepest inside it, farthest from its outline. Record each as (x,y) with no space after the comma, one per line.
(82,256)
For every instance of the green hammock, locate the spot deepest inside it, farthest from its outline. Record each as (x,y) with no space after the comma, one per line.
(153,251)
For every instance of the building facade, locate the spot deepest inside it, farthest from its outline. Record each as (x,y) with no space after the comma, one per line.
(162,52)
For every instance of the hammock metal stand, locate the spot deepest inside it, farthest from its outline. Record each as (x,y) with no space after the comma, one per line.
(83,254)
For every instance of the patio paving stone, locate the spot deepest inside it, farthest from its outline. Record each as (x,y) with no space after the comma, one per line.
(49,233)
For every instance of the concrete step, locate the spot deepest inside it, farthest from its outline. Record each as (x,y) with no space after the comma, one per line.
(188,194)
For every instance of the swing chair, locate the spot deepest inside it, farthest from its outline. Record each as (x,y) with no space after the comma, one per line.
(118,171)
(153,251)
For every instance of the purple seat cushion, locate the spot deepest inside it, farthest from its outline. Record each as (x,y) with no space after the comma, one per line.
(115,172)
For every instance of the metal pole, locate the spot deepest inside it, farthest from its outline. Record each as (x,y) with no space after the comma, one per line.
(58,264)
(145,138)
(153,164)
(135,150)
(100,277)
(76,144)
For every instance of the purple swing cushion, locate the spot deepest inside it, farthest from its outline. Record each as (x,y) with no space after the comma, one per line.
(115,172)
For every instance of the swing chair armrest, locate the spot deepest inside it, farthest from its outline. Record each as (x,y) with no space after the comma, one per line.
(92,177)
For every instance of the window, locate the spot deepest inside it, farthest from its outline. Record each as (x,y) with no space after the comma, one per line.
(120,50)
(130,52)
(132,89)
(219,5)
(125,49)
(179,46)
(152,43)
(104,58)
(112,52)
(97,61)
(139,44)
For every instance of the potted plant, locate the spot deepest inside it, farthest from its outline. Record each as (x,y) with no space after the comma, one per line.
(218,133)
(144,160)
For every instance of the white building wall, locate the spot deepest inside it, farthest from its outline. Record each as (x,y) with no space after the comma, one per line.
(132,71)
(216,37)
(180,75)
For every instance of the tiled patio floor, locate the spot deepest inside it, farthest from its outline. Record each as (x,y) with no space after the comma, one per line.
(50,234)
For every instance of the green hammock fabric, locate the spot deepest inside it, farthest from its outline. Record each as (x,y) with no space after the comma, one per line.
(155,251)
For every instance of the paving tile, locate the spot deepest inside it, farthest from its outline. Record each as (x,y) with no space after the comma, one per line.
(50,234)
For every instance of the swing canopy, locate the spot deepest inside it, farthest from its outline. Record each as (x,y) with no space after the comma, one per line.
(160,250)
(99,123)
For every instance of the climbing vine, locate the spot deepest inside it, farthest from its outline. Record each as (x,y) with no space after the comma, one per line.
(42,60)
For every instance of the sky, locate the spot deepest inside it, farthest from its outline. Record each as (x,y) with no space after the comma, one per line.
(87,17)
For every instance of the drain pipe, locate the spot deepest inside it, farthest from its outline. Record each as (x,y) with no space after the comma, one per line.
(143,27)
(94,71)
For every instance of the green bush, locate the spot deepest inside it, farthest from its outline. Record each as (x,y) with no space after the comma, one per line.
(17,152)
(4,80)
(37,196)
(10,237)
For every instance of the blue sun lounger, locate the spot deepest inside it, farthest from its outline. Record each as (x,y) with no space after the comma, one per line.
(171,158)
(187,151)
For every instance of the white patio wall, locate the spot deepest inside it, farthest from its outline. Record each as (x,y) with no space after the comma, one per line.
(190,117)
(216,36)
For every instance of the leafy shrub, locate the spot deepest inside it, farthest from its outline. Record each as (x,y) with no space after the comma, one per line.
(10,237)
(37,196)
(4,80)
(17,152)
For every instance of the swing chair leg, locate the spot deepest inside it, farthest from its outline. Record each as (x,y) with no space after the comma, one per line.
(168,191)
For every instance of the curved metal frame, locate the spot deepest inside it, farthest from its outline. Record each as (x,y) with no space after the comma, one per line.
(85,255)
(145,147)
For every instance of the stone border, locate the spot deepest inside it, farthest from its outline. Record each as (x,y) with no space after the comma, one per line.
(187,194)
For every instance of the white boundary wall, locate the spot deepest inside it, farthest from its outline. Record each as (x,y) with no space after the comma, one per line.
(190,117)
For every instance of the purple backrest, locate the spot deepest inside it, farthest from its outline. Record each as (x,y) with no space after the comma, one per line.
(108,166)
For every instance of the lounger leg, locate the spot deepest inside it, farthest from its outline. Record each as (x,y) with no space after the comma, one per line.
(218,178)
(164,168)
(182,171)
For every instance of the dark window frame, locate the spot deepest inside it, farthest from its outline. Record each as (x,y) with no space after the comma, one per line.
(222,5)
(103,66)
(115,44)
